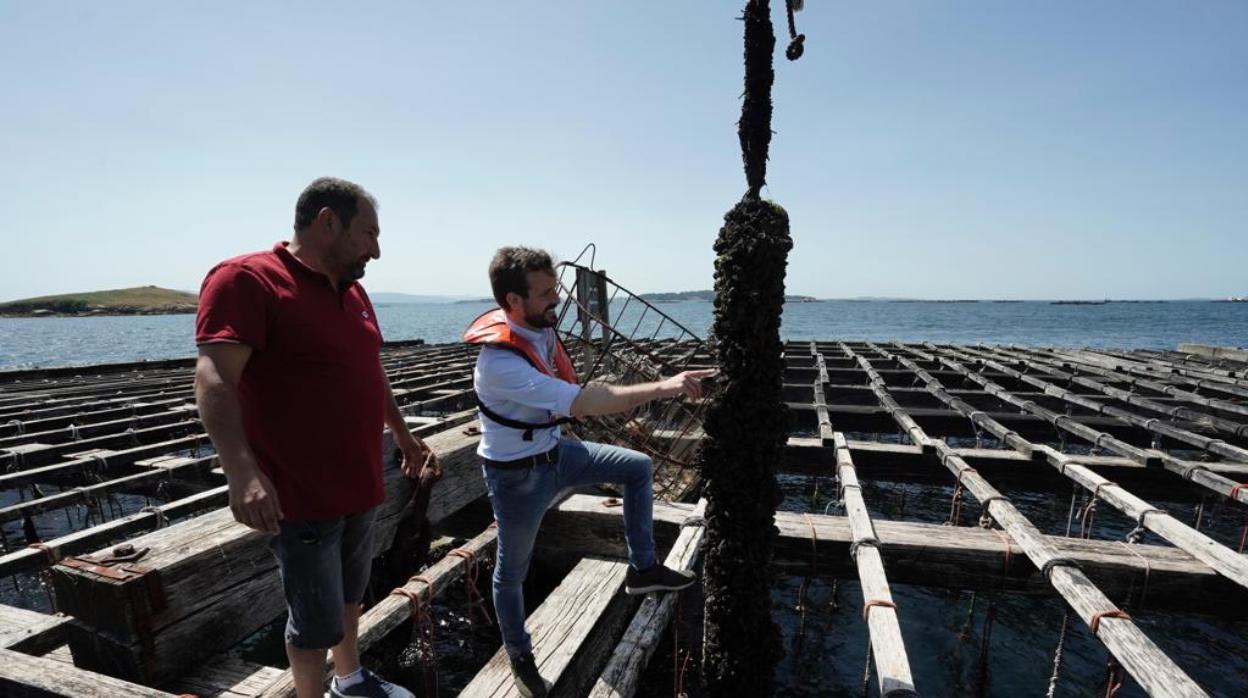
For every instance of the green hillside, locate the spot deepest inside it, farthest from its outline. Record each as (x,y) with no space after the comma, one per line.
(142,300)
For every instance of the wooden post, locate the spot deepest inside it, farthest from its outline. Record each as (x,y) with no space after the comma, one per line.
(632,654)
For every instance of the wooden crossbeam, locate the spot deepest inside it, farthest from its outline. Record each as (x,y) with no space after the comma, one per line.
(1137,653)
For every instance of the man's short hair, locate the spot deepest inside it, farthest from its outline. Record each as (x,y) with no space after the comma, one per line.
(339,195)
(510,268)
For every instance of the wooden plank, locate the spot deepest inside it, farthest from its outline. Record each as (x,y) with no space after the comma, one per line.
(209,582)
(24,676)
(30,631)
(925,554)
(1137,653)
(82,495)
(1221,558)
(887,646)
(629,659)
(392,611)
(227,676)
(1215,352)
(561,629)
(33,560)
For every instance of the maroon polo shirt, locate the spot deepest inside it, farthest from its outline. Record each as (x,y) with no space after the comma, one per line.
(313,392)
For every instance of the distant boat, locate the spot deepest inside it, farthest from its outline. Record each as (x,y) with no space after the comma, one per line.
(1232,299)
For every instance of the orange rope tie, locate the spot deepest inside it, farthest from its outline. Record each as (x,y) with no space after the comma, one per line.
(422,626)
(472,570)
(418,605)
(1115,613)
(866,608)
(1236,489)
(47,550)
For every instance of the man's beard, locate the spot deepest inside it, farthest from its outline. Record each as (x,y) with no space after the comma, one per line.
(540,320)
(355,272)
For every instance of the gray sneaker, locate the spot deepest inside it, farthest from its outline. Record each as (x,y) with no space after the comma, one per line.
(373,686)
(528,680)
(657,578)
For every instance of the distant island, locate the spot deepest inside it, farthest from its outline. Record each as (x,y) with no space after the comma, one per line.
(143,300)
(709,296)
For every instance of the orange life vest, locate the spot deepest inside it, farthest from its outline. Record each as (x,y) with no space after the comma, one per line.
(491,329)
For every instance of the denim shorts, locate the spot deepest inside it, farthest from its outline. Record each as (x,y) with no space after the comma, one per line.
(324,566)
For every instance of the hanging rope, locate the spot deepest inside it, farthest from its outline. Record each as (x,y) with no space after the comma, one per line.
(1089,510)
(866,670)
(1148,569)
(1113,677)
(472,569)
(985,646)
(422,630)
(1057,656)
(955,506)
(800,636)
(965,633)
(1070,515)
(796,41)
(679,665)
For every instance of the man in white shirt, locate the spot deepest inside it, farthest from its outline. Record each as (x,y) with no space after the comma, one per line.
(525,389)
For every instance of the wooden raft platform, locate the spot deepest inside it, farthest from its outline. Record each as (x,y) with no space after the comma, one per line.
(120,449)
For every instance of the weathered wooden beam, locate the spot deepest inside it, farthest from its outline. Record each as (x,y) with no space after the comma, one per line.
(887,647)
(945,422)
(1200,546)
(30,631)
(1137,653)
(880,462)
(74,469)
(395,609)
(206,583)
(226,676)
(631,655)
(1190,471)
(926,554)
(1217,447)
(1215,352)
(24,676)
(572,631)
(80,495)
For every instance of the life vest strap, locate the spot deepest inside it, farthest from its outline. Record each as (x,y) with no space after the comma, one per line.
(528,427)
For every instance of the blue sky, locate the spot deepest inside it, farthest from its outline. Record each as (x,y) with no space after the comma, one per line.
(923,149)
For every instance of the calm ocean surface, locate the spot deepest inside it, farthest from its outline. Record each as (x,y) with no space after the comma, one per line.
(27,343)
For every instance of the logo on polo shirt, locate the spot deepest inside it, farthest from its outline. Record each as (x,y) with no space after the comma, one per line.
(364,314)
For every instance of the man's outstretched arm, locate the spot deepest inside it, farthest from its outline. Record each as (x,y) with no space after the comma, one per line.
(604,398)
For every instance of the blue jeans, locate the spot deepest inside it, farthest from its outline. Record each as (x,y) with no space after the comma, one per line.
(520,498)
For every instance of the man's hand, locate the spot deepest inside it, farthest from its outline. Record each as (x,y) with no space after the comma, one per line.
(416,455)
(253,500)
(688,383)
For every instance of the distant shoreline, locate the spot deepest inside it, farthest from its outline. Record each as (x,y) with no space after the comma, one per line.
(99,312)
(141,300)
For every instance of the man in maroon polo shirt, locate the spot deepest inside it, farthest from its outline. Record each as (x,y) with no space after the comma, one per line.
(291,389)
